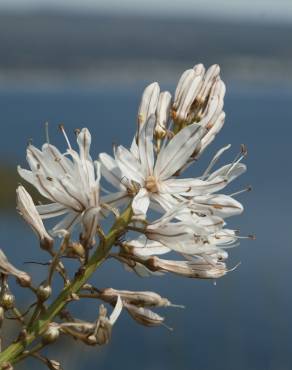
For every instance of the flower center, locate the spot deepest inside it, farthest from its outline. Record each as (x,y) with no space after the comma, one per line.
(151,184)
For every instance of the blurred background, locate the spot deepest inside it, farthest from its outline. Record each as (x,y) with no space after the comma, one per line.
(86,64)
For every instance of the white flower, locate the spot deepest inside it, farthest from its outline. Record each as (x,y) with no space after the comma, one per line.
(72,186)
(151,179)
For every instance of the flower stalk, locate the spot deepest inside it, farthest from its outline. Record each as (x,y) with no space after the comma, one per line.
(12,353)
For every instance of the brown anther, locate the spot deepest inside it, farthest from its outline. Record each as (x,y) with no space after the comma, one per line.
(151,184)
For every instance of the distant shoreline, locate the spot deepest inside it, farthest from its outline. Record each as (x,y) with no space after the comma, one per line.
(132,72)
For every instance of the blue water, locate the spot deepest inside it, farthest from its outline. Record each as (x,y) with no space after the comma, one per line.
(244,322)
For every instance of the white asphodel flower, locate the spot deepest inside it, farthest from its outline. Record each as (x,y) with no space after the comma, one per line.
(149,179)
(71,185)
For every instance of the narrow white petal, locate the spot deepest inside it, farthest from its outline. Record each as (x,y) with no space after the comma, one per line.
(116,312)
(145,146)
(141,202)
(111,171)
(51,210)
(174,156)
(220,204)
(67,223)
(224,172)
(129,165)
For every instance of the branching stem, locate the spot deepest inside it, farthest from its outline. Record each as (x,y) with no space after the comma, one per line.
(14,352)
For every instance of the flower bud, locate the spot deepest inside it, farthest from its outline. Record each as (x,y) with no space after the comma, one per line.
(104,333)
(7,300)
(187,89)
(90,223)
(148,103)
(8,269)
(209,79)
(51,334)
(28,211)
(91,340)
(144,316)
(162,114)
(53,365)
(75,250)
(44,291)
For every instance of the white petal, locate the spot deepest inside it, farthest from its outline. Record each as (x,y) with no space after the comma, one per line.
(224,172)
(59,163)
(191,187)
(111,171)
(145,146)
(129,165)
(116,312)
(144,247)
(51,210)
(215,160)
(67,223)
(141,202)
(116,199)
(26,175)
(220,204)
(142,271)
(174,156)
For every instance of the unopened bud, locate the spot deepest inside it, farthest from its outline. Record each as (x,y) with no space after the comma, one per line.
(144,316)
(76,250)
(43,292)
(54,365)
(148,103)
(51,334)
(8,269)
(103,334)
(30,214)
(7,300)
(162,114)
(24,281)
(187,89)
(91,340)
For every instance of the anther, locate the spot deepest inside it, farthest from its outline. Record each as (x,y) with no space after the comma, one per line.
(62,128)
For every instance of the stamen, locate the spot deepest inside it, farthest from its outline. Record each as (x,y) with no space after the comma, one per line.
(241,155)
(177,305)
(215,160)
(77,131)
(251,237)
(47,132)
(61,127)
(235,267)
(247,189)
(167,327)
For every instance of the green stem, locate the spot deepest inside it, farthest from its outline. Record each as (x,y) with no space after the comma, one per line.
(40,326)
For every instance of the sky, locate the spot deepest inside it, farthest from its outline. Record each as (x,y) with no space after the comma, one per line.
(266,10)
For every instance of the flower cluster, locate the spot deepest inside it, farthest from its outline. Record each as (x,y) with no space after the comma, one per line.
(169,212)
